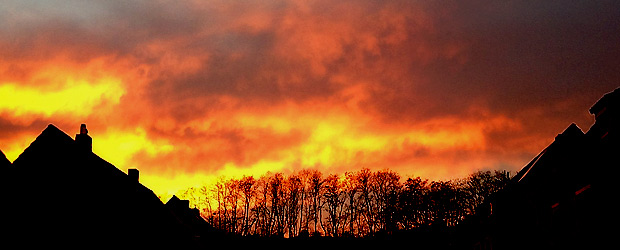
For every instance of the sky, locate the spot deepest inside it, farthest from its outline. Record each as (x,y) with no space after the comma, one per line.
(191,91)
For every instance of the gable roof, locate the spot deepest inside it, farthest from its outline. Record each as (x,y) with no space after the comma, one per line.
(56,189)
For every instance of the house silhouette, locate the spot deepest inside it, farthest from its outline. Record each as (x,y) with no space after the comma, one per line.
(59,193)
(563,197)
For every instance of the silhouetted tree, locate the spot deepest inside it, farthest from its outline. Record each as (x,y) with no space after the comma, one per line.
(367,210)
(277,203)
(444,203)
(232,196)
(304,207)
(262,209)
(218,190)
(482,184)
(362,203)
(315,186)
(414,203)
(247,186)
(386,187)
(293,190)
(351,188)
(334,204)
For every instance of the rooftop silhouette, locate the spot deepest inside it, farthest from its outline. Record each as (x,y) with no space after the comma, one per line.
(59,192)
(561,197)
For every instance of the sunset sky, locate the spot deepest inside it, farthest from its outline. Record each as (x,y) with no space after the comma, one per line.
(188,91)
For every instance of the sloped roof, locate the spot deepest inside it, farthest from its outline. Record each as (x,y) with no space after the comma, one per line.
(58,191)
(4,162)
(525,170)
(572,134)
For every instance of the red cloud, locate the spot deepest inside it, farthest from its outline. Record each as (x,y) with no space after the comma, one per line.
(210,88)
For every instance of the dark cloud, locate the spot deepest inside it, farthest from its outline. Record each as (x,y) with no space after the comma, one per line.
(9,129)
(512,56)
(513,73)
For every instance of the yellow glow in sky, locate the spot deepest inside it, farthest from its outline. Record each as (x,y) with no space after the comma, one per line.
(76,97)
(118,147)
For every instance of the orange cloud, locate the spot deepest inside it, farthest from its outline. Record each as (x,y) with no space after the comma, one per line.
(194,90)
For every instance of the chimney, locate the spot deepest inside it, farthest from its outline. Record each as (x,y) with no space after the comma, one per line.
(83,140)
(134,175)
(133,179)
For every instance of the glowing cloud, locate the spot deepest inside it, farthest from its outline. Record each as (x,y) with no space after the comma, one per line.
(191,90)
(74,97)
(119,146)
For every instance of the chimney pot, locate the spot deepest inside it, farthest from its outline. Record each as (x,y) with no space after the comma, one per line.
(83,130)
(83,140)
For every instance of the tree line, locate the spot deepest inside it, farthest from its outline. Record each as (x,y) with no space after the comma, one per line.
(355,204)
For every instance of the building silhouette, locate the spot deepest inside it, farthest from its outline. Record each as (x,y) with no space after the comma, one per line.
(563,198)
(59,193)
(191,220)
